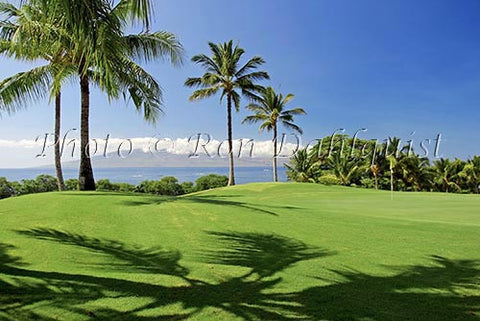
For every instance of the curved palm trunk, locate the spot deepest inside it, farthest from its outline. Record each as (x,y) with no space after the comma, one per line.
(86,182)
(231,174)
(275,176)
(58,161)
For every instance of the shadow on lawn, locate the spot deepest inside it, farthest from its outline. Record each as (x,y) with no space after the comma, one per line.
(220,200)
(414,293)
(208,199)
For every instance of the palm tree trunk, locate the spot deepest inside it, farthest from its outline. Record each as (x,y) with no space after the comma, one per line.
(376,181)
(275,176)
(58,161)
(86,182)
(231,174)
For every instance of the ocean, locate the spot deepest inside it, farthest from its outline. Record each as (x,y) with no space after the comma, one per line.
(134,175)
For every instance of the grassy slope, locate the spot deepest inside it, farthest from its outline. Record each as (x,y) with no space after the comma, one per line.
(252,252)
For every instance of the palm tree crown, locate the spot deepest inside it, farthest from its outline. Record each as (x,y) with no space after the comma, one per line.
(224,75)
(270,110)
(93,47)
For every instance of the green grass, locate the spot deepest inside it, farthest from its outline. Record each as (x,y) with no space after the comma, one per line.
(252,252)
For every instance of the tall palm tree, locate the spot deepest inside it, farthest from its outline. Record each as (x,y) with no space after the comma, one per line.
(223,74)
(98,30)
(27,36)
(96,47)
(270,110)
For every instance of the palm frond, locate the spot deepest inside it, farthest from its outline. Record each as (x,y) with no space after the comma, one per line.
(150,46)
(252,64)
(295,111)
(18,91)
(204,93)
(293,127)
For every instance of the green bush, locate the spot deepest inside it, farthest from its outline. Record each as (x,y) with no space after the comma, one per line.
(368,182)
(42,184)
(329,179)
(46,183)
(166,186)
(211,181)
(188,187)
(124,187)
(71,184)
(105,185)
(6,188)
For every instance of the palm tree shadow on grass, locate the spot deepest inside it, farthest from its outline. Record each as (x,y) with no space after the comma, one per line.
(146,199)
(133,258)
(434,292)
(413,293)
(210,199)
(263,254)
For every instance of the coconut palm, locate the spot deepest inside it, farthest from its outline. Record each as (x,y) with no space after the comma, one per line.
(95,48)
(26,35)
(344,168)
(224,75)
(446,174)
(270,110)
(471,174)
(303,167)
(375,169)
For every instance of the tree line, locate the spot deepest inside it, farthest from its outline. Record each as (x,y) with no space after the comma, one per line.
(86,41)
(343,160)
(168,185)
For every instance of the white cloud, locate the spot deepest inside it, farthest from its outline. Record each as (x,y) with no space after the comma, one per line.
(23,152)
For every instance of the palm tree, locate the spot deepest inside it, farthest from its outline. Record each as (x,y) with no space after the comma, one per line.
(345,168)
(446,174)
(23,38)
(223,74)
(269,109)
(471,174)
(375,171)
(303,167)
(95,49)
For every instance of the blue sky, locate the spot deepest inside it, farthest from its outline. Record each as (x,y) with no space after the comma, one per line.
(394,67)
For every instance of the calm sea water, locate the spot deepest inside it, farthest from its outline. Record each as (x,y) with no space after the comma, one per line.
(134,175)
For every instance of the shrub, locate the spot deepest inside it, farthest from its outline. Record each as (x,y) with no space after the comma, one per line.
(368,182)
(46,183)
(144,187)
(329,179)
(42,184)
(105,185)
(211,181)
(169,186)
(188,187)
(124,187)
(6,188)
(166,186)
(28,186)
(71,184)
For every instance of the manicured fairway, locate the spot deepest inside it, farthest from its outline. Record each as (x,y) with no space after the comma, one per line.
(251,252)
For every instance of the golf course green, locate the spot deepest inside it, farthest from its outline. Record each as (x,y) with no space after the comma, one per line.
(250,252)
